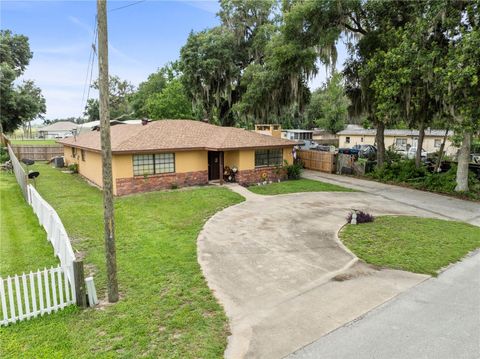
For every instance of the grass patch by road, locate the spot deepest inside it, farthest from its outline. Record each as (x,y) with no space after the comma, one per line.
(166,308)
(33,142)
(421,245)
(23,242)
(293,186)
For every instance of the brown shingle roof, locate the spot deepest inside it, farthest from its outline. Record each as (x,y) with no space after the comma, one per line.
(180,135)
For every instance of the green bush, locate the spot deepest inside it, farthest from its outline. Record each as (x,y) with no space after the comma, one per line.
(73,167)
(4,157)
(293,171)
(400,171)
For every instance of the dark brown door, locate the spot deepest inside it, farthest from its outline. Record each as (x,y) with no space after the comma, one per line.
(213,165)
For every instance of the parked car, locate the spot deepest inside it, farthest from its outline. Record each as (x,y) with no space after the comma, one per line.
(366,151)
(349,151)
(411,153)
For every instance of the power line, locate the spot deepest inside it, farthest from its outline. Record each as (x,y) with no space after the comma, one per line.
(125,6)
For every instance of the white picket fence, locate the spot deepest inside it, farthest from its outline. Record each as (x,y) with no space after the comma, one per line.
(30,295)
(20,174)
(47,290)
(56,233)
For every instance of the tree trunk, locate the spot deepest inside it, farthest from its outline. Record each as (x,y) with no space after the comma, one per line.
(440,153)
(421,136)
(463,160)
(379,138)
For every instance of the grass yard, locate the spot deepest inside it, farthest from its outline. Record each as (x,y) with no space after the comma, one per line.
(23,242)
(166,308)
(293,186)
(420,245)
(33,142)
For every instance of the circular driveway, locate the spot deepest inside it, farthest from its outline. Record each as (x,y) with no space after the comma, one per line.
(270,261)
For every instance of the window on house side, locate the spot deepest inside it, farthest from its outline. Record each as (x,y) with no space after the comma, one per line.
(74,152)
(272,157)
(164,163)
(347,139)
(153,164)
(437,143)
(401,143)
(82,153)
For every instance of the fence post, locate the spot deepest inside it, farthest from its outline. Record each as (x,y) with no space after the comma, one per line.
(79,280)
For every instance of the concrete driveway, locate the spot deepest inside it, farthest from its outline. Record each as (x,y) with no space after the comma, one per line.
(278,268)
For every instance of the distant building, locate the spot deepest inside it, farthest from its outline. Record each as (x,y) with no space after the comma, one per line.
(89,126)
(304,137)
(60,129)
(274,130)
(324,137)
(397,139)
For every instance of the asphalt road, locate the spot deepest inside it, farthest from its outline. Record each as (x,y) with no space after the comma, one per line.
(438,319)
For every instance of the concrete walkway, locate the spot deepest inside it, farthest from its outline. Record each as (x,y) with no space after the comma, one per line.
(438,319)
(439,205)
(276,265)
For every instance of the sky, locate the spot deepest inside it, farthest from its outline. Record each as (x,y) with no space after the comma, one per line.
(143,36)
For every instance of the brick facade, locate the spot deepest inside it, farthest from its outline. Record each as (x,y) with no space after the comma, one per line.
(159,181)
(248,177)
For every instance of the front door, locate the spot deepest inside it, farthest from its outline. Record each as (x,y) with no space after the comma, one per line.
(213,165)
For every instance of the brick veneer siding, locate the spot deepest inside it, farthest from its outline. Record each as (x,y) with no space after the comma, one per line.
(160,181)
(247,177)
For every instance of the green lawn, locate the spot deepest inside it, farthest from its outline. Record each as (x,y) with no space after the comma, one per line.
(33,142)
(166,308)
(293,186)
(23,242)
(420,245)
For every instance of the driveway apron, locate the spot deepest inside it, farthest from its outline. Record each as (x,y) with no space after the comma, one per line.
(277,266)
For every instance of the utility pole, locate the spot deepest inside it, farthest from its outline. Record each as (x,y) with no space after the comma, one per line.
(108,215)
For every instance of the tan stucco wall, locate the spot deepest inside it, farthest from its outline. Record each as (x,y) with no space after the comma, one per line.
(91,168)
(287,155)
(428,142)
(231,159)
(246,160)
(191,161)
(67,155)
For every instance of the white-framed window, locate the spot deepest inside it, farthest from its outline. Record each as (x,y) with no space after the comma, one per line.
(153,163)
(401,143)
(437,143)
(269,157)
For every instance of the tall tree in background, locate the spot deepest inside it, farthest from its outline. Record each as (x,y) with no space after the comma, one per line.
(328,107)
(120,107)
(222,64)
(170,103)
(155,83)
(460,75)
(18,104)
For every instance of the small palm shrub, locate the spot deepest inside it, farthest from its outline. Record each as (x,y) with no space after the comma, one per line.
(362,217)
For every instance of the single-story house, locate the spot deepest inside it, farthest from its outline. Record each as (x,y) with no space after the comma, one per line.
(60,129)
(169,153)
(398,139)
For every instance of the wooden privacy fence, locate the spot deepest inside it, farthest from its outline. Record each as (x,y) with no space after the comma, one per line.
(317,160)
(38,152)
(30,295)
